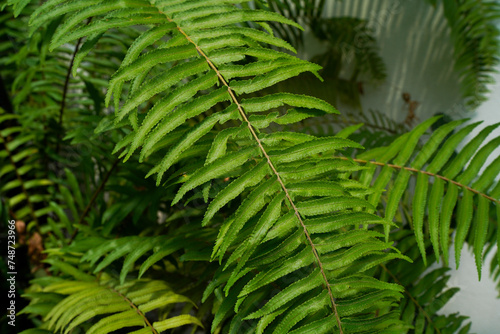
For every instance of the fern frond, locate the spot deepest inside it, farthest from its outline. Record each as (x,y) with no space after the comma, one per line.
(191,86)
(441,175)
(109,306)
(101,253)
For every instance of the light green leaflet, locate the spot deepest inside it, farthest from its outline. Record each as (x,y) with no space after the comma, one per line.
(350,238)
(235,188)
(47,12)
(449,202)
(161,83)
(258,104)
(100,27)
(300,260)
(465,213)
(229,18)
(256,35)
(294,290)
(271,78)
(190,138)
(418,207)
(144,63)
(480,227)
(179,6)
(323,145)
(302,311)
(315,188)
(180,115)
(219,145)
(338,221)
(250,206)
(90,11)
(435,200)
(266,221)
(215,169)
(330,204)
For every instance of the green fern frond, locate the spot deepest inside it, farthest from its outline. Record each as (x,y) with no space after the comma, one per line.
(201,62)
(441,176)
(295,236)
(101,254)
(105,306)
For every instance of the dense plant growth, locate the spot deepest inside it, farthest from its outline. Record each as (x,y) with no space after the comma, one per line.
(166,173)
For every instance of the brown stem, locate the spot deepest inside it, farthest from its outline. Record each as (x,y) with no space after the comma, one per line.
(426,173)
(66,81)
(132,305)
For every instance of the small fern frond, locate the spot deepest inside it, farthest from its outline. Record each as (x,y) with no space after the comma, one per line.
(292,219)
(100,254)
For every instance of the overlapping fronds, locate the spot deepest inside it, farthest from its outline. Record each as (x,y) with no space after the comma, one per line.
(295,205)
(102,253)
(267,230)
(445,179)
(104,306)
(426,291)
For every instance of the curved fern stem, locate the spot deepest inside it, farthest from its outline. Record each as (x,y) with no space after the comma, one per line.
(426,173)
(269,162)
(132,305)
